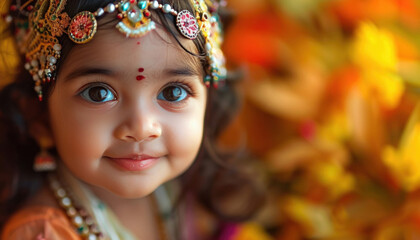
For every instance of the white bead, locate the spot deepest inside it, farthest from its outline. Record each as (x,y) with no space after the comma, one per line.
(110,8)
(100,12)
(166,8)
(38,88)
(66,202)
(27,66)
(92,237)
(34,63)
(35,77)
(57,47)
(8,19)
(61,192)
(155,5)
(78,220)
(40,73)
(71,211)
(52,59)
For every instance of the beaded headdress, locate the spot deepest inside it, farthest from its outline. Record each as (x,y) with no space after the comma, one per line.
(47,21)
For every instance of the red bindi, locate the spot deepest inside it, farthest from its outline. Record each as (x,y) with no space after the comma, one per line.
(138,43)
(140,77)
(141,69)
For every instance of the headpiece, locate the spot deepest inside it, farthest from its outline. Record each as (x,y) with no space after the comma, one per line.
(47,20)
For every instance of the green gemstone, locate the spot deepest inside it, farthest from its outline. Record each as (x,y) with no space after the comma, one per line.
(125,6)
(81,229)
(53,17)
(207,78)
(142,5)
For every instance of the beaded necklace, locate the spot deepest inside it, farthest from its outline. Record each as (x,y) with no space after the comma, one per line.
(83,223)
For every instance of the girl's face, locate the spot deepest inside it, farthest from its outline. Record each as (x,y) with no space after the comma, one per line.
(127,113)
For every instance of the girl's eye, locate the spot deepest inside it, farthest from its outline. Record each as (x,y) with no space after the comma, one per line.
(173,94)
(98,94)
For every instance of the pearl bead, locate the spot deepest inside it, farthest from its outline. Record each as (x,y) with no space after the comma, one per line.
(38,88)
(92,237)
(100,12)
(27,66)
(34,63)
(78,220)
(8,19)
(110,8)
(66,202)
(52,59)
(155,5)
(35,77)
(166,8)
(71,212)
(61,192)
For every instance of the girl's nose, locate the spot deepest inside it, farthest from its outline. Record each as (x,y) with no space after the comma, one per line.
(140,125)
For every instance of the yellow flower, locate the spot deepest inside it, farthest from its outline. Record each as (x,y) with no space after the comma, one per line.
(335,127)
(332,175)
(404,163)
(316,219)
(375,54)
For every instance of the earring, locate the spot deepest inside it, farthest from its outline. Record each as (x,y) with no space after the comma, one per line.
(44,161)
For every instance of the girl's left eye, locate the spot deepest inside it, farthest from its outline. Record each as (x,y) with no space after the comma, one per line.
(173,94)
(97,94)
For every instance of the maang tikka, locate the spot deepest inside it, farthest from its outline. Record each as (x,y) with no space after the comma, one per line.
(39,39)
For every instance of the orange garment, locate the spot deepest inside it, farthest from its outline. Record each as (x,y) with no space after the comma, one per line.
(39,223)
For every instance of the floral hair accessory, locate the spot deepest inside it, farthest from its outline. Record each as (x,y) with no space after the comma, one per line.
(39,39)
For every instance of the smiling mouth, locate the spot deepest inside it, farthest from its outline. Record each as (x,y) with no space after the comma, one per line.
(134,163)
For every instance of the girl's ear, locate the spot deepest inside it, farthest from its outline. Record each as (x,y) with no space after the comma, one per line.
(42,134)
(36,116)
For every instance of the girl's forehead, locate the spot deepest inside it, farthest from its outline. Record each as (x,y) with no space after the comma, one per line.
(155,50)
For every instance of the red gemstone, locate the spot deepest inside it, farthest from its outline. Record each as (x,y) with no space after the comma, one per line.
(120,16)
(147,14)
(132,1)
(13,8)
(30,7)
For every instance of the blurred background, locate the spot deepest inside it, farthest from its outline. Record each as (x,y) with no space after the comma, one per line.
(331,112)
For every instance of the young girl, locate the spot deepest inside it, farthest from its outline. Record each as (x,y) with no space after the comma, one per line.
(118,139)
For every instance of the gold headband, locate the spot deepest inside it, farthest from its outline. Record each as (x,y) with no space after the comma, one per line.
(48,22)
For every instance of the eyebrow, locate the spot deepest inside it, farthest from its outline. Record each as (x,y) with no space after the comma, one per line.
(182,72)
(85,71)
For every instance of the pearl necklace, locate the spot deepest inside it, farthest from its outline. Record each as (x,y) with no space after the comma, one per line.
(84,224)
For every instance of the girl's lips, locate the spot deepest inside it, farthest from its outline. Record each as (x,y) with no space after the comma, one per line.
(134,163)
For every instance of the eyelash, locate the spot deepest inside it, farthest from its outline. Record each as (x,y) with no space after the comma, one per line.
(184,85)
(97,84)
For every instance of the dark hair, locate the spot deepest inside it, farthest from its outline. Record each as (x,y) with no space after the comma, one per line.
(214,182)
